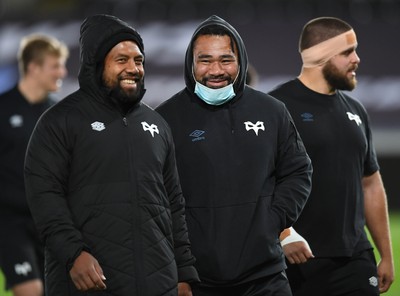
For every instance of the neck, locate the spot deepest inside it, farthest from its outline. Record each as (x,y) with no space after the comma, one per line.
(314,80)
(32,92)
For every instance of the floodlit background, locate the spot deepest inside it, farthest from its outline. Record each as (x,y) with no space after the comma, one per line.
(270,29)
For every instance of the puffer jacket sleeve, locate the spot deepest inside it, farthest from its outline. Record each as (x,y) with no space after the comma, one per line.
(293,173)
(183,255)
(46,177)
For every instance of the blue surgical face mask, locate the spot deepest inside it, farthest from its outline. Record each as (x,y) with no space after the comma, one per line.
(215,96)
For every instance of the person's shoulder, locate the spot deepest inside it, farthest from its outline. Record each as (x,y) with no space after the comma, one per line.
(352,100)
(284,87)
(172,103)
(64,106)
(261,97)
(9,94)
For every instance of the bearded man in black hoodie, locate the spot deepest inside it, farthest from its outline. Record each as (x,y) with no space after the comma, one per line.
(244,170)
(102,182)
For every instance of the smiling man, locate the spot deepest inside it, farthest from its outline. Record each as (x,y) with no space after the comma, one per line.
(102,182)
(244,170)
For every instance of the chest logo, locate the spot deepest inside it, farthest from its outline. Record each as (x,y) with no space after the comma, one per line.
(259,125)
(197,135)
(151,128)
(354,117)
(98,126)
(16,121)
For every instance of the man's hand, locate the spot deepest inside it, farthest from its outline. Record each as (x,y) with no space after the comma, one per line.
(87,274)
(184,289)
(297,252)
(295,247)
(385,275)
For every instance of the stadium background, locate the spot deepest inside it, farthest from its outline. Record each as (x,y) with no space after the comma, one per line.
(270,29)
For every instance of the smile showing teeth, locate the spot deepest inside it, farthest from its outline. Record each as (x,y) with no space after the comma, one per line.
(128,81)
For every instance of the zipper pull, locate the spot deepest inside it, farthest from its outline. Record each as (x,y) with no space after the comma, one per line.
(125,121)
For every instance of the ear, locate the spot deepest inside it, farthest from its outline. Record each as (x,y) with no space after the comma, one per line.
(33,68)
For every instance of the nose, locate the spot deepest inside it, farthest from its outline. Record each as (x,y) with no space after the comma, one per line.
(64,71)
(132,67)
(216,68)
(355,58)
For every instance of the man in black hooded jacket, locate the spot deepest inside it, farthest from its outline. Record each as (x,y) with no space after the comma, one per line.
(244,171)
(102,182)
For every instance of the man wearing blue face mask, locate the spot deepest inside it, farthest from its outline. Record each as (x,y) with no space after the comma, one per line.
(243,167)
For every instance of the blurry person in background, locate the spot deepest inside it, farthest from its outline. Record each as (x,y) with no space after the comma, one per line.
(348,192)
(41,60)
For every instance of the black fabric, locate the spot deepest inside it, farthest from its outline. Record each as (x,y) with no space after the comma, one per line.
(106,182)
(19,242)
(245,176)
(273,285)
(341,149)
(344,276)
(17,120)
(21,254)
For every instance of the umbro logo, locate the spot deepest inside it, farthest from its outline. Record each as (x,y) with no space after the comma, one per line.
(354,117)
(259,125)
(152,128)
(197,135)
(23,268)
(306,116)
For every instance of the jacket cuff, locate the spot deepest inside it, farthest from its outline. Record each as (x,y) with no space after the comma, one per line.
(188,274)
(71,261)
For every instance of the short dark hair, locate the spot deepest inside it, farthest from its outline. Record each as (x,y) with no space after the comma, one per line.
(321,29)
(216,30)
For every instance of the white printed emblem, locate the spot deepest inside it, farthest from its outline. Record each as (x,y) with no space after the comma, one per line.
(259,125)
(23,268)
(354,117)
(373,281)
(98,126)
(16,120)
(151,128)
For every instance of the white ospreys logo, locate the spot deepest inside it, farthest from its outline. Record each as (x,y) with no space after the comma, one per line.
(259,125)
(23,268)
(98,126)
(151,128)
(354,117)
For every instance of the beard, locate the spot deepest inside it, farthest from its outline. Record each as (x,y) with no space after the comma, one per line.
(127,97)
(336,79)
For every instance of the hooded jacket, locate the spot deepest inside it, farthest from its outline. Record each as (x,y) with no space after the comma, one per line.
(106,182)
(244,172)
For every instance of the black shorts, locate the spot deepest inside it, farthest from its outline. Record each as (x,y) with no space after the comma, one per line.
(273,285)
(351,276)
(21,254)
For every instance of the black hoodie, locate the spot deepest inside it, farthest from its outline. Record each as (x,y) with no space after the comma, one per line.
(244,172)
(106,182)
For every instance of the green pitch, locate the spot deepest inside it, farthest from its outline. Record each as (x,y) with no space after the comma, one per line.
(395,230)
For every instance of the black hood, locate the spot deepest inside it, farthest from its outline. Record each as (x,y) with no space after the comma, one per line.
(98,35)
(242,54)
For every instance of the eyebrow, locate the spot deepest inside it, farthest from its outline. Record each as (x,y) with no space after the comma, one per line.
(203,56)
